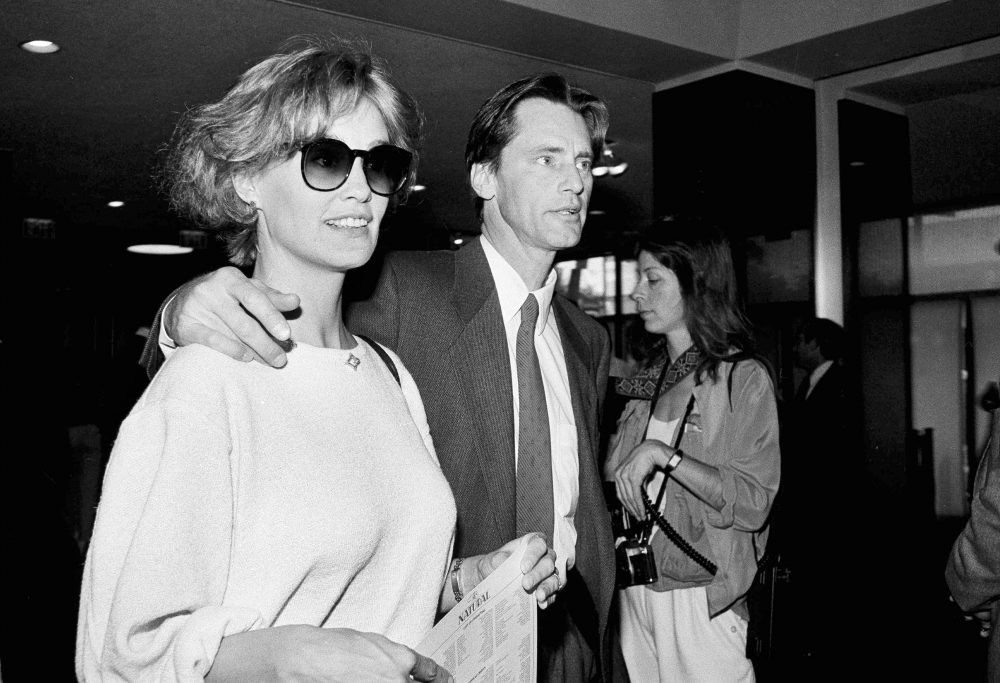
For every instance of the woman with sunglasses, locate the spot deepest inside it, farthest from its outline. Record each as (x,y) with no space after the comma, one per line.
(696,461)
(292,524)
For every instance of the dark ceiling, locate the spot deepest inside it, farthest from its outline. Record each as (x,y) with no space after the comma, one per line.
(83,126)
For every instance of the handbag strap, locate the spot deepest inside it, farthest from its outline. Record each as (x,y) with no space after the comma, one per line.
(383,355)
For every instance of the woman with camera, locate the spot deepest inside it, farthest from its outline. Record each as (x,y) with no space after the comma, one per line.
(695,462)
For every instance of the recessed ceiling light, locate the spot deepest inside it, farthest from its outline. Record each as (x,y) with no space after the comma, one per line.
(40,47)
(418,188)
(618,168)
(856,164)
(159,249)
(116,203)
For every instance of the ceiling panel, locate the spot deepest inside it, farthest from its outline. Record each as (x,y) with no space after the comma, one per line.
(978,75)
(915,33)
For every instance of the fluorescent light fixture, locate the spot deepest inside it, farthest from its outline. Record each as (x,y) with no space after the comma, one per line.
(40,47)
(418,188)
(116,203)
(159,249)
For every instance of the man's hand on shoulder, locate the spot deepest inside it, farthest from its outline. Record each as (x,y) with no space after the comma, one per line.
(231,314)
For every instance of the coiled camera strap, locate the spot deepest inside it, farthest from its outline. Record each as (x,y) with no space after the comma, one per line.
(653,511)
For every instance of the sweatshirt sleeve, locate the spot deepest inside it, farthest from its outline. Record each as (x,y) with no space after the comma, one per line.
(151,605)
(751,467)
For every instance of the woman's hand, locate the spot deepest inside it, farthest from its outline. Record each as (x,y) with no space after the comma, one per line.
(538,567)
(632,473)
(234,315)
(329,655)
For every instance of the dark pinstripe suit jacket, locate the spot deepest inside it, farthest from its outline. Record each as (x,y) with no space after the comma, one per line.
(440,312)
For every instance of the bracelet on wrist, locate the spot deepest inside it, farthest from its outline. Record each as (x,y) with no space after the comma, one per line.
(674,461)
(456,586)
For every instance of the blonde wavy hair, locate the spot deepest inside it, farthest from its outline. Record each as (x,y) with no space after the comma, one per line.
(284,100)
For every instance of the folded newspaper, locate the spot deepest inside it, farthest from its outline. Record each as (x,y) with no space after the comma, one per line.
(492,634)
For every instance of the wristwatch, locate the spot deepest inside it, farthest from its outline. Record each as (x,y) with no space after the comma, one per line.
(674,461)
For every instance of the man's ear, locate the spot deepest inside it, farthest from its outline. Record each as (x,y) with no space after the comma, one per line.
(483,181)
(245,188)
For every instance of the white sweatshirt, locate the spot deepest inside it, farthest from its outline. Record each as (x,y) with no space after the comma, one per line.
(241,497)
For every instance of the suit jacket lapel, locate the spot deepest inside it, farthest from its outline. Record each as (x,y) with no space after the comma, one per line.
(826,388)
(481,356)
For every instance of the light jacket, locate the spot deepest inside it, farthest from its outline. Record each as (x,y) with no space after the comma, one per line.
(739,422)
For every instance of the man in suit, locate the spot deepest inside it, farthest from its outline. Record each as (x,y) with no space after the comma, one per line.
(812,519)
(455,320)
(820,397)
(816,421)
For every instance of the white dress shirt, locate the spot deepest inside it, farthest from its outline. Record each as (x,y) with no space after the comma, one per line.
(817,375)
(562,425)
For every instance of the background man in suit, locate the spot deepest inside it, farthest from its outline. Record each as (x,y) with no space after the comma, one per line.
(514,413)
(812,521)
(818,350)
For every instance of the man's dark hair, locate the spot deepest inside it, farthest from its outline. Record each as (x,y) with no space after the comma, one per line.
(828,335)
(494,124)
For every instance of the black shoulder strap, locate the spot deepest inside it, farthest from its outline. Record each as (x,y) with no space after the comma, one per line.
(385,356)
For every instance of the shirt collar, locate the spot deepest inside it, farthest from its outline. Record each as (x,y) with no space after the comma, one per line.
(818,373)
(512,291)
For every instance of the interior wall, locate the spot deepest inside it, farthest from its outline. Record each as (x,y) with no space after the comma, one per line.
(740,148)
(875,193)
(882,331)
(955,149)
(936,365)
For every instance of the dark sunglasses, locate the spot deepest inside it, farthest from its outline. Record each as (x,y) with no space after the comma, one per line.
(327,163)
